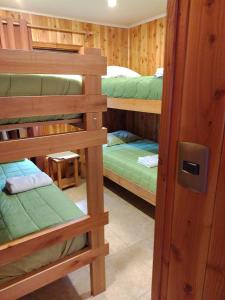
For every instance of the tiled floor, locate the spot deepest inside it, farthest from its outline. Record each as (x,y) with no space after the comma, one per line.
(129,265)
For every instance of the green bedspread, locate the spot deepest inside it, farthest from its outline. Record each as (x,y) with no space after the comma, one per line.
(37,85)
(30,212)
(144,87)
(122,160)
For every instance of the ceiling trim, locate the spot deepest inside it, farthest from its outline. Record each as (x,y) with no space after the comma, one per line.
(147,20)
(85,21)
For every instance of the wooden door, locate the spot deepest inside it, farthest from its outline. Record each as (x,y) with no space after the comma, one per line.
(189,256)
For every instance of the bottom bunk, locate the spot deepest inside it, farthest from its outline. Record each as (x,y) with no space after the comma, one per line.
(44,219)
(121,166)
(31,211)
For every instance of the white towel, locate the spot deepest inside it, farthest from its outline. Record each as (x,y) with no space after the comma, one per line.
(21,184)
(149,161)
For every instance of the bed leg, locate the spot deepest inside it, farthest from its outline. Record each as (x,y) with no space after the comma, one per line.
(95,207)
(97,268)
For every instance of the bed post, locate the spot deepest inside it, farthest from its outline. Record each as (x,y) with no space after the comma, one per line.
(94,171)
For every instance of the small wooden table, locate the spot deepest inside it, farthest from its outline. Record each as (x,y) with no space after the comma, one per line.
(64,159)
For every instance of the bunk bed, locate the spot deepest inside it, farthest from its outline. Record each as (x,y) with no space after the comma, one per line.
(139,94)
(23,242)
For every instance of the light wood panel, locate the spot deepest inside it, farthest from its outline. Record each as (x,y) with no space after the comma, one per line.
(112,40)
(146,46)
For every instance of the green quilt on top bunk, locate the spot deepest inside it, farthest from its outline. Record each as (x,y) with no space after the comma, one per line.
(144,87)
(37,85)
(122,160)
(30,212)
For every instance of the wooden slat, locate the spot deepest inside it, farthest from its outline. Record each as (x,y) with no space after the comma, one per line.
(77,121)
(26,284)
(27,245)
(11,34)
(46,62)
(130,186)
(32,147)
(2,36)
(24,35)
(55,46)
(141,105)
(29,106)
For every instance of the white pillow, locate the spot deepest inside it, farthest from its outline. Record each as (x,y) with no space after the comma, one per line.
(116,71)
(159,72)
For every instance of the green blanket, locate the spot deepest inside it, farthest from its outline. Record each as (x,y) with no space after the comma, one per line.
(122,160)
(144,87)
(37,85)
(32,211)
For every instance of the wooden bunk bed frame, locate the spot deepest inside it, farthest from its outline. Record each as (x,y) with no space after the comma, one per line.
(132,104)
(91,65)
(138,105)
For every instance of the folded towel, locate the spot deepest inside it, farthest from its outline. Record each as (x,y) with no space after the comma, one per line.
(21,184)
(149,161)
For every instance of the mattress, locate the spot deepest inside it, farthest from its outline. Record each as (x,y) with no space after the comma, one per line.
(32,211)
(37,85)
(122,160)
(144,87)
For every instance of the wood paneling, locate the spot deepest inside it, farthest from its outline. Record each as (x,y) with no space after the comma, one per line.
(146,46)
(112,40)
(143,124)
(194,102)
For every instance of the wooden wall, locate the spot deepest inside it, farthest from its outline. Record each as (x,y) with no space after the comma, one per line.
(112,40)
(141,48)
(146,46)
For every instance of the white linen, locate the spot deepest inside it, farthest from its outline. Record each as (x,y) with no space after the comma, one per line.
(116,71)
(149,161)
(19,184)
(159,72)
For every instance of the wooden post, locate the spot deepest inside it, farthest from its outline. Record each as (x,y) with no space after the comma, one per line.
(94,176)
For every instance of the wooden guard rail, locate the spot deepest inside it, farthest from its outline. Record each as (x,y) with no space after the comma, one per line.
(25,246)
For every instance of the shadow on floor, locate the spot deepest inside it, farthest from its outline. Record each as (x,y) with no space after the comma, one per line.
(131,198)
(59,290)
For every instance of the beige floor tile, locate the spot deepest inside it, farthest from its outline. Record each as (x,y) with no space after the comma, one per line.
(128,267)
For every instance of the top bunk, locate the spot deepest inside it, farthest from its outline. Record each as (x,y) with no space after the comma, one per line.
(130,91)
(40,98)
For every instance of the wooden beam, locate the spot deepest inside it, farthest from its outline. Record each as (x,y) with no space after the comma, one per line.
(17,249)
(37,146)
(49,28)
(29,106)
(130,186)
(32,281)
(141,105)
(56,46)
(49,62)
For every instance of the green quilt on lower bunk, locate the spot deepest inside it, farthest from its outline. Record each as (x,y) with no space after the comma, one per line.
(144,87)
(122,160)
(37,85)
(30,212)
